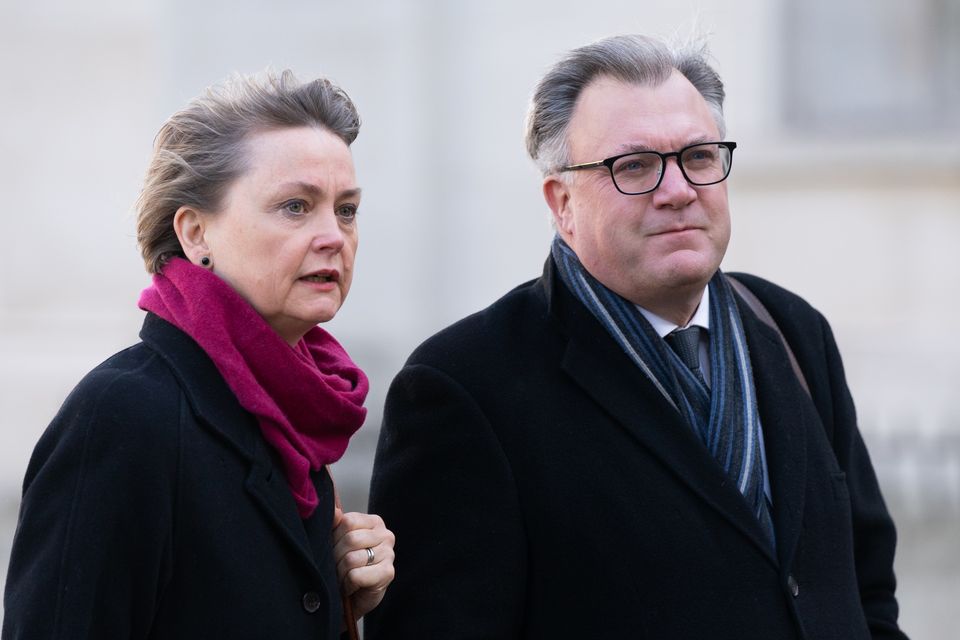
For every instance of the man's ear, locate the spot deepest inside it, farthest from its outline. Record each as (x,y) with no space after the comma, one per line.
(557,194)
(189,225)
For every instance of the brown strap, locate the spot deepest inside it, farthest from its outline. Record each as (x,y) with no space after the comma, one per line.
(764,316)
(349,620)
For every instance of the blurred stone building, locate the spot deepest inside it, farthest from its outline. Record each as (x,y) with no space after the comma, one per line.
(845,188)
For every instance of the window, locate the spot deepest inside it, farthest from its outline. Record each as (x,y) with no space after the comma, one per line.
(871,67)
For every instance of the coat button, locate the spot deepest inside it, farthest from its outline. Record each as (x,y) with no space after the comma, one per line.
(793,586)
(311,601)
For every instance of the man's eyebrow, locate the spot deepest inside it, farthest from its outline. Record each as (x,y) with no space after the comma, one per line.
(699,139)
(633,147)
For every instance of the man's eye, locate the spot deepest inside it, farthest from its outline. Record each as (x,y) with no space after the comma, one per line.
(633,165)
(700,155)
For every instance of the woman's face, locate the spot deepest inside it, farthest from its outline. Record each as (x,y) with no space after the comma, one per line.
(286,235)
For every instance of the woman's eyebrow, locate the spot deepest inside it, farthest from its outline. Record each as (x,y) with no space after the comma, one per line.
(314,190)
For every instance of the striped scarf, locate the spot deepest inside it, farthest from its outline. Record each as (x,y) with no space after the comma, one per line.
(725,417)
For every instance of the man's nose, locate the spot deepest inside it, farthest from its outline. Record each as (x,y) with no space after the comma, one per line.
(674,190)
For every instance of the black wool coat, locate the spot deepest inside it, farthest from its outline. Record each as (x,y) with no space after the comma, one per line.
(153,508)
(540,487)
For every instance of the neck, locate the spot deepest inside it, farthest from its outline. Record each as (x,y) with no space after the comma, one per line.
(677,306)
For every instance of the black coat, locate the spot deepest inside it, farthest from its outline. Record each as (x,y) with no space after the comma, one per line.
(153,508)
(540,487)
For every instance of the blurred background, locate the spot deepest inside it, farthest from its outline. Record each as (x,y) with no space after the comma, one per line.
(845,189)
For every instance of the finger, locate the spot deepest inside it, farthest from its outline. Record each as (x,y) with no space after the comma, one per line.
(372,554)
(354,521)
(370,577)
(359,539)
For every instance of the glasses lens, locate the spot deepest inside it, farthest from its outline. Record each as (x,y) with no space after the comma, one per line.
(637,172)
(706,163)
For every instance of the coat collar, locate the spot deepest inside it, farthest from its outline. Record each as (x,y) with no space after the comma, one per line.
(217,409)
(207,392)
(595,362)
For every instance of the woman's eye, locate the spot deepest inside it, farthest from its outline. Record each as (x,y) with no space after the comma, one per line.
(296,207)
(347,212)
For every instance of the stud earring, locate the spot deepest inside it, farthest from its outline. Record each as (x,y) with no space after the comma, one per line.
(205,261)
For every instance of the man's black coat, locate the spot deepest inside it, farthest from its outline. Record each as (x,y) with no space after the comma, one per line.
(540,487)
(153,508)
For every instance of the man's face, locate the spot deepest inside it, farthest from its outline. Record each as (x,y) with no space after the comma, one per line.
(656,247)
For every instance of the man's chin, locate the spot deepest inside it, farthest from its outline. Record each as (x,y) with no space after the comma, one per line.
(689,269)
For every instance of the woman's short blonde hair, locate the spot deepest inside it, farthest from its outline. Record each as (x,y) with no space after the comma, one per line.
(199,150)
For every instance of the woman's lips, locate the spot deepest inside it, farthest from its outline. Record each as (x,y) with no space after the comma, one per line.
(325,279)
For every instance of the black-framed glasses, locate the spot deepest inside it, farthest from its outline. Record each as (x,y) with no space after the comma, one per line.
(641,172)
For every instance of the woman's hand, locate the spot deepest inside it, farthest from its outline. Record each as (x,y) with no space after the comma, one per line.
(364,575)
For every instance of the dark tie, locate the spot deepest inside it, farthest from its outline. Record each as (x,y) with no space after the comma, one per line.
(686,343)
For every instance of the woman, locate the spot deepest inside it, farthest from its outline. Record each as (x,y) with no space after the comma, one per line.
(181,491)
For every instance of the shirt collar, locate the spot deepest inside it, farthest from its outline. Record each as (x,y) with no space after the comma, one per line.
(701,317)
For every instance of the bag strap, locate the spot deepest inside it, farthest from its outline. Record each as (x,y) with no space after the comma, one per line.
(764,316)
(349,621)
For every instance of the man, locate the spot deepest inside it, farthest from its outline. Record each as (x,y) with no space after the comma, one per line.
(564,464)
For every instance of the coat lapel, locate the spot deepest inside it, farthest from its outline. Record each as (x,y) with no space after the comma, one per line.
(268,487)
(217,409)
(786,414)
(597,364)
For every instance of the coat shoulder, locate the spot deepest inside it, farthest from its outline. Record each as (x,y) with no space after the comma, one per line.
(811,339)
(135,383)
(499,328)
(125,408)
(794,315)
(774,296)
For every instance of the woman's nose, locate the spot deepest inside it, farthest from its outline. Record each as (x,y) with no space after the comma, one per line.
(328,234)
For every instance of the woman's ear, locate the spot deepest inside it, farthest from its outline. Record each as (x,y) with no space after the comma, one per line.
(557,194)
(189,226)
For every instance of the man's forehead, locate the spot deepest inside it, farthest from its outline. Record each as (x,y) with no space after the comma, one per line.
(620,116)
(608,94)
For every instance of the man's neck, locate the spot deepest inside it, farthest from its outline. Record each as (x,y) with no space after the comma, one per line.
(663,326)
(678,308)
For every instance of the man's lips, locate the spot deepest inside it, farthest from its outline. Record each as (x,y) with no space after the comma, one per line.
(665,232)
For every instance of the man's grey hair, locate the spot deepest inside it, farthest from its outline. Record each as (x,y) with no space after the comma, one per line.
(201,149)
(633,59)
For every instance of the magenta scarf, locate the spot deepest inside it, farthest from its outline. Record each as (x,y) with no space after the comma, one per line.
(308,399)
